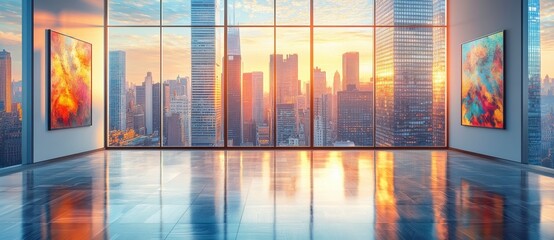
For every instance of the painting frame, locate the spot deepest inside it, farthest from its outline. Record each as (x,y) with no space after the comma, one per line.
(49,81)
(503,80)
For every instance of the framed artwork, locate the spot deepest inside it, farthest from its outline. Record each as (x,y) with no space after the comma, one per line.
(483,82)
(69,81)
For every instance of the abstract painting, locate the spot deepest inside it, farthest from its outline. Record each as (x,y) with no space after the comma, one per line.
(70,81)
(483,82)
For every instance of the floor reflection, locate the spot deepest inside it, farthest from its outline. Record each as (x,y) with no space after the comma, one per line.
(276,194)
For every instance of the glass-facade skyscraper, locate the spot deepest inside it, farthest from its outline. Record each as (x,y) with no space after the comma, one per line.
(206,86)
(404,74)
(117,90)
(534,87)
(234,94)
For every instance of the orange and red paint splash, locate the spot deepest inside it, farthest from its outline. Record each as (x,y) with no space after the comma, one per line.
(70,82)
(483,82)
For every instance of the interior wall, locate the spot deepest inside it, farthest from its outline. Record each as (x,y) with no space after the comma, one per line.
(468,20)
(82,19)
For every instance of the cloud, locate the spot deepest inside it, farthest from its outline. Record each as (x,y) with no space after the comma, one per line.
(333,12)
(143,12)
(547,25)
(10,38)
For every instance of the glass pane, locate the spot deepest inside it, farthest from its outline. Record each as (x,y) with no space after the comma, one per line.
(206,87)
(177,87)
(540,85)
(343,110)
(10,83)
(249,109)
(408,12)
(331,12)
(137,12)
(249,12)
(292,64)
(134,92)
(293,12)
(176,12)
(405,84)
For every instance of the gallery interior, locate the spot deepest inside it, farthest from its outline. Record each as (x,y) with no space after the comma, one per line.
(276,119)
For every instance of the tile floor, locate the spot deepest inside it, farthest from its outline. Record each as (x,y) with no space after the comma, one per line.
(417,194)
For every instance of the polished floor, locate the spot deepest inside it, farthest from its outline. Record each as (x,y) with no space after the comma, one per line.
(417,194)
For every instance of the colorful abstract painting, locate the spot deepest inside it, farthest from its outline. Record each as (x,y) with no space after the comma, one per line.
(483,82)
(70,64)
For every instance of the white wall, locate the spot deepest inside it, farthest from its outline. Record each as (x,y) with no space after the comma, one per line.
(84,20)
(470,19)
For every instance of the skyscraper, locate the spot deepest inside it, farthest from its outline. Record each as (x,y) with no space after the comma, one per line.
(247,108)
(258,97)
(287,77)
(148,111)
(156,107)
(337,85)
(287,105)
(355,117)
(534,89)
(404,70)
(234,93)
(5,81)
(439,74)
(286,123)
(320,82)
(117,90)
(206,86)
(350,69)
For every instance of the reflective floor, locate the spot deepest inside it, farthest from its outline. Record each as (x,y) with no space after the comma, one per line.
(416,194)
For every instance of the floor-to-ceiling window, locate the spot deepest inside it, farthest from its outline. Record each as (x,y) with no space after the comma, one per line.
(11,94)
(277,73)
(540,86)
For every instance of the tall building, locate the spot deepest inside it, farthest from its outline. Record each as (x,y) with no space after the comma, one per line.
(206,85)
(117,90)
(286,123)
(350,69)
(258,97)
(156,108)
(287,77)
(180,105)
(355,117)
(148,111)
(534,88)
(320,82)
(337,85)
(247,108)
(234,93)
(404,70)
(5,81)
(439,74)
(322,120)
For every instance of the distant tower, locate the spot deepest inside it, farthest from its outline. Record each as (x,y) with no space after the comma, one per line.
(350,69)
(148,111)
(5,81)
(336,83)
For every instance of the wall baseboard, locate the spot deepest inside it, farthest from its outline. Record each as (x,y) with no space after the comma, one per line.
(531,168)
(25,167)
